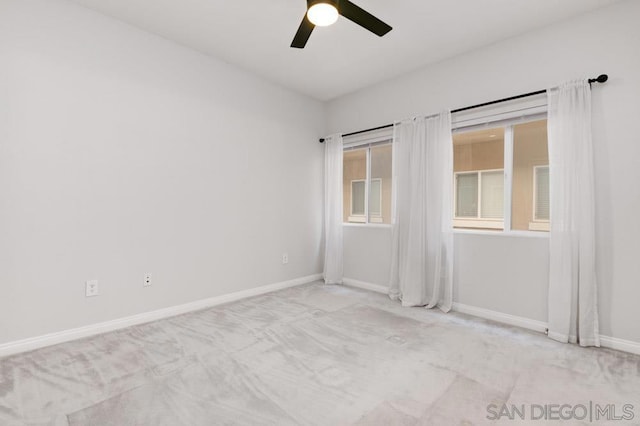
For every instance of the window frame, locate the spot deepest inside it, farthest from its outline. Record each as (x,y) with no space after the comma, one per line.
(377,140)
(351,213)
(504,115)
(366,218)
(516,116)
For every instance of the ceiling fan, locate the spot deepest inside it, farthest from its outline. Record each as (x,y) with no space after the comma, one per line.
(323,13)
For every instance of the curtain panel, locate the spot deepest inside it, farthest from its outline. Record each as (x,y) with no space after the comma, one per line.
(333,240)
(573,306)
(422,234)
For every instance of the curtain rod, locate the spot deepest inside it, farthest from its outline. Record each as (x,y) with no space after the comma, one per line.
(600,79)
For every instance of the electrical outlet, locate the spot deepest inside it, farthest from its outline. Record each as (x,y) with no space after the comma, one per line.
(91,288)
(285,258)
(147,279)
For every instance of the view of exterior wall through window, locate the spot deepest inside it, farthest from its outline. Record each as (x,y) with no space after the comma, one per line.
(530,195)
(367,184)
(478,166)
(479,177)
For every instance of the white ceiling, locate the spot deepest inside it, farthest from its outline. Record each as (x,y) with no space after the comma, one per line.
(256,34)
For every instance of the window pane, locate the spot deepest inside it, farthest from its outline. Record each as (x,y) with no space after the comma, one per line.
(542,194)
(492,195)
(530,205)
(357,197)
(354,169)
(480,152)
(467,195)
(380,188)
(375,198)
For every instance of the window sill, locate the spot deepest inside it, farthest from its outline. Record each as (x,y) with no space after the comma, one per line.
(362,219)
(367,225)
(497,224)
(357,219)
(497,233)
(539,226)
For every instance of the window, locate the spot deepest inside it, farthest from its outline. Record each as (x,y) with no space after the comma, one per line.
(479,179)
(501,176)
(367,183)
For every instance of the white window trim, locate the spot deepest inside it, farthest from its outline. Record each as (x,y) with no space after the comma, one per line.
(367,225)
(478,221)
(498,233)
(539,112)
(539,226)
(374,137)
(357,219)
(517,111)
(508,178)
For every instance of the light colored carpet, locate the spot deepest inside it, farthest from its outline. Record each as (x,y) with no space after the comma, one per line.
(309,355)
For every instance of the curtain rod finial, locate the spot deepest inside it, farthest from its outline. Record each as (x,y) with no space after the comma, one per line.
(600,79)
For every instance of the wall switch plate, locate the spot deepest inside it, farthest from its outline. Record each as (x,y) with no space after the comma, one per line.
(91,288)
(147,279)
(285,258)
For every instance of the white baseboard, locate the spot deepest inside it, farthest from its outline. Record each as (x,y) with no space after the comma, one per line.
(530,324)
(366,286)
(605,341)
(12,348)
(32,343)
(620,344)
(503,318)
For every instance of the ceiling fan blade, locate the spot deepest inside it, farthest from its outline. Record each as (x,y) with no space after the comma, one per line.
(303,34)
(363,18)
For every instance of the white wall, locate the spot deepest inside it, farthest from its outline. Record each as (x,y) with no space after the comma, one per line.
(123,153)
(508,274)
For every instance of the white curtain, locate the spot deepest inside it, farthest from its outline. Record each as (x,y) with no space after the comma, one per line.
(422,251)
(573,308)
(333,210)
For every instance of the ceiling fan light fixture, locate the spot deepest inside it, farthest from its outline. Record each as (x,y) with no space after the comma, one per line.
(322,14)
(325,12)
